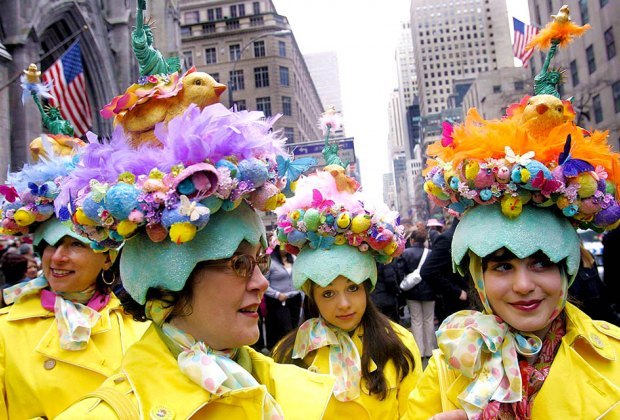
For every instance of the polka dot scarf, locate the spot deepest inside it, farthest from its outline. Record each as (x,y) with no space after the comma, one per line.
(485,348)
(344,360)
(214,371)
(76,313)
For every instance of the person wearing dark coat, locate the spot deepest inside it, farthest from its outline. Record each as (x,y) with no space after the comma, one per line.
(611,266)
(450,288)
(420,298)
(385,295)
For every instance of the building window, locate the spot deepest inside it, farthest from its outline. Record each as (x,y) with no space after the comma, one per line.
(237,81)
(519,85)
(284,79)
(610,43)
(497,89)
(590,58)
(256,21)
(234,52)
(208,28)
(583,9)
(233,11)
(210,56)
(287,108)
(210,14)
(264,104)
(261,76)
(259,48)
(214,14)
(232,24)
(602,3)
(186,31)
(191,17)
(282,48)
(216,76)
(256,7)
(240,104)
(188,56)
(550,6)
(616,92)
(574,73)
(598,108)
(242,10)
(289,134)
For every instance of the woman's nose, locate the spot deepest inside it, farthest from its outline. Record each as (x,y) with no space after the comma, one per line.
(343,301)
(60,253)
(523,283)
(258,281)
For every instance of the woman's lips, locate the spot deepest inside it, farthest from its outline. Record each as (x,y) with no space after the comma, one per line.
(345,317)
(250,311)
(56,272)
(527,305)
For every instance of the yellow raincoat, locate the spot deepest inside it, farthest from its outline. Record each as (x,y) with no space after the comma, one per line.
(151,386)
(37,377)
(583,383)
(369,406)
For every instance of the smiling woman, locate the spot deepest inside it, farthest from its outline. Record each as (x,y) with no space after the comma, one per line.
(193,262)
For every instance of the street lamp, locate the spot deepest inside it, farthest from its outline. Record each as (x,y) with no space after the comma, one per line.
(245,47)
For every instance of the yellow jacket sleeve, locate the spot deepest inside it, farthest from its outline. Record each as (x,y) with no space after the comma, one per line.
(425,400)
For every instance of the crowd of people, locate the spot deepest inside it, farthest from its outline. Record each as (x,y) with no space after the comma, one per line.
(160,294)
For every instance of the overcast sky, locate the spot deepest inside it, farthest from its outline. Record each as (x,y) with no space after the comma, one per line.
(365,38)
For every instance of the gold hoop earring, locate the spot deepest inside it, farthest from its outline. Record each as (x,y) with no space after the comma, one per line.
(106,282)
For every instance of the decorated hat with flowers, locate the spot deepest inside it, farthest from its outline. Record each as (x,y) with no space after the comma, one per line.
(210,160)
(333,227)
(534,157)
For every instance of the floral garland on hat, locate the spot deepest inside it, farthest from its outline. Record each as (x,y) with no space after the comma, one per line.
(211,160)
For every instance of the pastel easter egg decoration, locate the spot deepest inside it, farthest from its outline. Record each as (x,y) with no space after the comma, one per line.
(454,183)
(431,188)
(121,199)
(156,232)
(312,219)
(589,206)
(50,190)
(391,248)
(212,202)
(265,198)
(253,170)
(136,216)
(484,178)
(296,238)
(24,217)
(200,178)
(225,163)
(153,184)
(360,223)
(91,208)
(126,228)
(511,206)
(182,232)
(609,216)
(533,168)
(82,219)
(438,179)
(587,184)
(44,211)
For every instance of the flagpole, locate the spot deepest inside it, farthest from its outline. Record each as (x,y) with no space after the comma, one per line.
(47,54)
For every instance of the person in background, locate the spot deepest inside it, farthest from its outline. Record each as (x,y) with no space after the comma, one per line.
(611,266)
(421,297)
(385,295)
(435,228)
(33,270)
(14,267)
(282,300)
(450,288)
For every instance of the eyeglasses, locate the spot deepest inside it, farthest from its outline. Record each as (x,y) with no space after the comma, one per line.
(243,265)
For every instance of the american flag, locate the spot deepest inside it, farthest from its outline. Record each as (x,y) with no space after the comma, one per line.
(69,89)
(522,36)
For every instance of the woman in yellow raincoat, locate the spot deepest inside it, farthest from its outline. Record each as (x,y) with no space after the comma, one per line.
(63,333)
(194,262)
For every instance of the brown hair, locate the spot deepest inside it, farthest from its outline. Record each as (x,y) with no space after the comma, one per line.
(380,344)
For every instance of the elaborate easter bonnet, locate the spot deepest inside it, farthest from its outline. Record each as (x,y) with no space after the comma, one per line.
(333,228)
(527,180)
(214,164)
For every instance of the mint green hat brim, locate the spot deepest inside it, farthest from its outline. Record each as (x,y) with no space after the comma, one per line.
(145,264)
(323,266)
(53,230)
(484,229)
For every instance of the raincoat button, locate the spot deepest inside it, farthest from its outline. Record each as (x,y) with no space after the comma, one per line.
(313,369)
(604,326)
(597,341)
(49,364)
(161,413)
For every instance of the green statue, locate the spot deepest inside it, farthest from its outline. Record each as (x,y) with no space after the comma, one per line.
(330,153)
(55,123)
(547,81)
(151,60)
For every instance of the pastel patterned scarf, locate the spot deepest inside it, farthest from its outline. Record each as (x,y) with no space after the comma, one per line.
(76,313)
(485,348)
(344,359)
(215,371)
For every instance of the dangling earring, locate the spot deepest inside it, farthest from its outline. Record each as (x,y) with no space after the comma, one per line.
(106,282)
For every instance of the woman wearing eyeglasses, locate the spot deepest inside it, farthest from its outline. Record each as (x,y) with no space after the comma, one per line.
(194,263)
